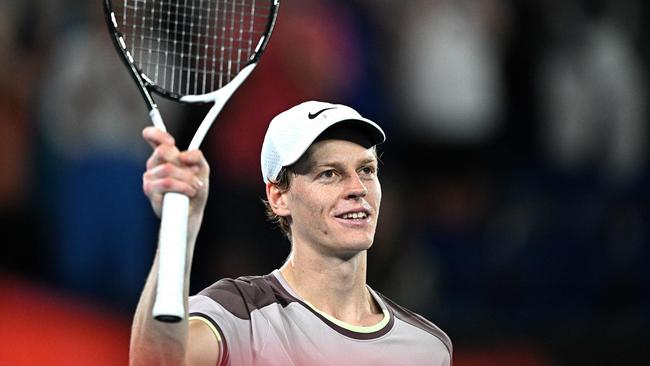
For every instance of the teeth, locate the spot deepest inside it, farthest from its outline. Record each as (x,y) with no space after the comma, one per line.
(355,215)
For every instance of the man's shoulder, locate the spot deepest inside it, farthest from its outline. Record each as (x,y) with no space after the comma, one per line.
(416,320)
(246,286)
(242,295)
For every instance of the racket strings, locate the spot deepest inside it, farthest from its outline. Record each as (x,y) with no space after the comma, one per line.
(192,46)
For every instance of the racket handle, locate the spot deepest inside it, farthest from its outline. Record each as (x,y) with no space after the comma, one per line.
(169,305)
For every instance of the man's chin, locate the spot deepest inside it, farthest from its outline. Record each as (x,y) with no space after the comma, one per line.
(352,247)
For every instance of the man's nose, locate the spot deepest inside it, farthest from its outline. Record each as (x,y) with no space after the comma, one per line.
(355,187)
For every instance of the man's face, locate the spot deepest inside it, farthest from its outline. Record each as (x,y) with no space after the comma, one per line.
(335,194)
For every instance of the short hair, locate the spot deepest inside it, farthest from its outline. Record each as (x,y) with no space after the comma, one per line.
(283,182)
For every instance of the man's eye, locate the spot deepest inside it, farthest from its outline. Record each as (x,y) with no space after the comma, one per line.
(368,170)
(327,174)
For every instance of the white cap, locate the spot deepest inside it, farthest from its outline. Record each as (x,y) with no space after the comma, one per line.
(291,133)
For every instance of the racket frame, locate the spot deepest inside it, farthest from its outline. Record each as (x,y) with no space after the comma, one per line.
(169,305)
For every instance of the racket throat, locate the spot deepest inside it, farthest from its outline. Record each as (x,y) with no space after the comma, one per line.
(219,98)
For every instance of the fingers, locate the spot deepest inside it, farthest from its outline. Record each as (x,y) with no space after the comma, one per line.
(155,136)
(195,161)
(168,177)
(154,186)
(171,170)
(165,151)
(163,154)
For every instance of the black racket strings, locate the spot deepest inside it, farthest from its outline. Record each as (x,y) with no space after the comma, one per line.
(191,47)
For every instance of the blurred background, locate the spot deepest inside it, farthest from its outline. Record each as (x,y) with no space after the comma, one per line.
(515,175)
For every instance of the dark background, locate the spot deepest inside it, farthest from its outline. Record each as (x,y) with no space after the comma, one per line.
(515,175)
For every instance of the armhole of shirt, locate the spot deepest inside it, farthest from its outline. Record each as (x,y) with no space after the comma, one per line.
(217,334)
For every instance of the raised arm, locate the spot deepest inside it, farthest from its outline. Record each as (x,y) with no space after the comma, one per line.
(154,342)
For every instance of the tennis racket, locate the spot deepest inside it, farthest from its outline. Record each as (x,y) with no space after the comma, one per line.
(191,51)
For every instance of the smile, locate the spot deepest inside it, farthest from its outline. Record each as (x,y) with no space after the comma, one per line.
(354,215)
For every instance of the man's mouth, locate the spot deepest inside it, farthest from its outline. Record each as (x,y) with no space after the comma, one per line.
(356,215)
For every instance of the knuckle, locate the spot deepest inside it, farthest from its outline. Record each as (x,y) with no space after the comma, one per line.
(167,169)
(167,183)
(161,151)
(166,151)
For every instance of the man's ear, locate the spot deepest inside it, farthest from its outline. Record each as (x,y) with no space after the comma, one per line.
(277,199)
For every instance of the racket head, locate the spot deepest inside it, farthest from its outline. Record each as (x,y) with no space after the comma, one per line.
(180,48)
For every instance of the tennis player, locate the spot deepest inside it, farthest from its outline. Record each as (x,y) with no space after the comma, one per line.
(319,164)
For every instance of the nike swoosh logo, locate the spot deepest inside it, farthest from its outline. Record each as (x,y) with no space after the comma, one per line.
(314,115)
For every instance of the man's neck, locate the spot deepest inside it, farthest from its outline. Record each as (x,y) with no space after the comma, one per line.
(333,285)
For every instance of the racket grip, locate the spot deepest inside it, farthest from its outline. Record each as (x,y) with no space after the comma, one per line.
(169,305)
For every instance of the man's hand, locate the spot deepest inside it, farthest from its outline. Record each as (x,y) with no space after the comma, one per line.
(170,170)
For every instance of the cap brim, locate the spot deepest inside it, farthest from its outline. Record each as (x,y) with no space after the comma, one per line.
(375,133)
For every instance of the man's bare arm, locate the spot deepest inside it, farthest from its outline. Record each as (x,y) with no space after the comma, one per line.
(183,343)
